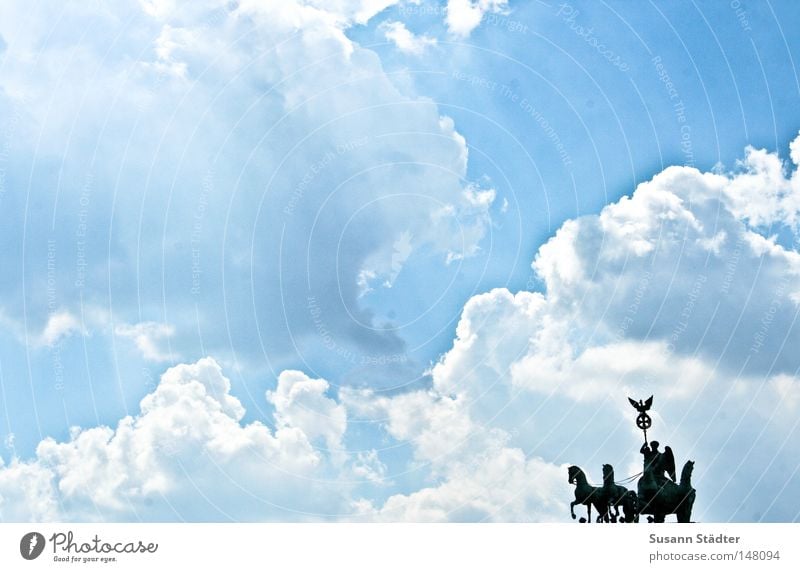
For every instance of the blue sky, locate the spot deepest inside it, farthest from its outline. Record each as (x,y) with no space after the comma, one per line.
(413,255)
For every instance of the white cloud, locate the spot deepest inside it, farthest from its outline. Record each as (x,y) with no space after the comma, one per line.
(533,382)
(59,325)
(279,81)
(670,292)
(788,390)
(185,455)
(502,487)
(678,289)
(368,466)
(149,338)
(358,11)
(763,194)
(26,493)
(454,225)
(405,40)
(463,16)
(301,402)
(481,477)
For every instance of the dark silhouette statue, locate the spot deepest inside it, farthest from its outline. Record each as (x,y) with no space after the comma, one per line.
(658,462)
(586,494)
(659,493)
(606,498)
(642,406)
(616,496)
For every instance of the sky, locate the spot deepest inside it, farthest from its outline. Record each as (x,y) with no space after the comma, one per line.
(395,260)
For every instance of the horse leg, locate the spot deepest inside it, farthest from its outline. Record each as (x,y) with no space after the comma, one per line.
(572,509)
(602,513)
(684,512)
(589,512)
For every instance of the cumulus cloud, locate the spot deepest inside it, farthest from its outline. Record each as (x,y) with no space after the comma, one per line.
(673,291)
(482,477)
(685,261)
(186,456)
(463,16)
(503,487)
(301,402)
(405,40)
(764,195)
(255,133)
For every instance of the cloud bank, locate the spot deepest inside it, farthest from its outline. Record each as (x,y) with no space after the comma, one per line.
(686,289)
(242,158)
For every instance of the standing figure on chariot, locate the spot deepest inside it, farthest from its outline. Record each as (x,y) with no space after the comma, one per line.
(657,463)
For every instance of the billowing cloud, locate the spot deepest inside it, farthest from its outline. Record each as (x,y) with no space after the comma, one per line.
(687,262)
(239,176)
(676,291)
(463,16)
(301,402)
(270,165)
(482,477)
(634,304)
(185,456)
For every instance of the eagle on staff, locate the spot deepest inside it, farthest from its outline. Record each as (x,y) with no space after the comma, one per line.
(643,420)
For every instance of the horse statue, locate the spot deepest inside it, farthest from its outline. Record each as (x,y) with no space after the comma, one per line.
(659,496)
(587,495)
(616,496)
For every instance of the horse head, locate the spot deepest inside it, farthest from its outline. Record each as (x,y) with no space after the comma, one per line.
(608,474)
(686,474)
(573,472)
